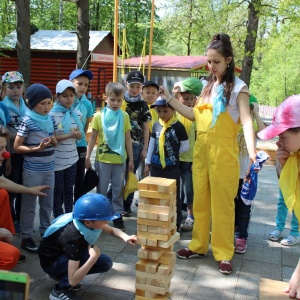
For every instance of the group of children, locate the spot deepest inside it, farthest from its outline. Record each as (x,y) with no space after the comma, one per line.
(47,145)
(197,143)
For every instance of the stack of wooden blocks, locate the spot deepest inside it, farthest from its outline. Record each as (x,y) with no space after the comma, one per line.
(156,232)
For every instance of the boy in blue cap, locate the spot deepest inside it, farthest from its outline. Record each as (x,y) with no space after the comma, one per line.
(81,80)
(68,252)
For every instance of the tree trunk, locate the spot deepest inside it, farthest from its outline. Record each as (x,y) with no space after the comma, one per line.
(250,42)
(23,38)
(83,33)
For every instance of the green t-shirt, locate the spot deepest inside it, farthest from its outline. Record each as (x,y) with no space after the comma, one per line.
(104,153)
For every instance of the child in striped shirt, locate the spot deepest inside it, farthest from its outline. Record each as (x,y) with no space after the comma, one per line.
(36,140)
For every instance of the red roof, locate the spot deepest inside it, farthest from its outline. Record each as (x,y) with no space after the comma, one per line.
(170,62)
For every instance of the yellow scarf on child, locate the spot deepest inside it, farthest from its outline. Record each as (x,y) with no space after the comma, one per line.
(161,141)
(289,183)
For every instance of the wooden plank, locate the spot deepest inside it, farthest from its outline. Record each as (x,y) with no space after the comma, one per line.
(167,185)
(150,201)
(167,296)
(153,236)
(150,288)
(150,222)
(272,290)
(151,267)
(174,238)
(149,254)
(156,276)
(143,184)
(157,195)
(155,208)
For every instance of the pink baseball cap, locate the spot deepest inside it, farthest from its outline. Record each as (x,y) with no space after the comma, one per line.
(287,115)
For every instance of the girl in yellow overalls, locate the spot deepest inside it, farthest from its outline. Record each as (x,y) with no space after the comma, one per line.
(224,103)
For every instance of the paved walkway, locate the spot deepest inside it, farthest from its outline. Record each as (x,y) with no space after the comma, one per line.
(195,278)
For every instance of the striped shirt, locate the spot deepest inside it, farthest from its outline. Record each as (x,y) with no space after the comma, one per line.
(39,161)
(66,151)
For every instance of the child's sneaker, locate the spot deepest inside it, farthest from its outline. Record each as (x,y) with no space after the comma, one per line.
(240,245)
(225,267)
(275,235)
(187,253)
(188,224)
(66,294)
(291,240)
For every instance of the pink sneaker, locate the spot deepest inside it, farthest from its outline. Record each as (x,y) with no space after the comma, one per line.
(225,267)
(240,245)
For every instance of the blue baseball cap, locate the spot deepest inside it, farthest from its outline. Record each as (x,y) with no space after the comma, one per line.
(81,72)
(160,102)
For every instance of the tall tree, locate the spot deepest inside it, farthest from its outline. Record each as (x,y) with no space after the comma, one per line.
(250,42)
(83,33)
(23,38)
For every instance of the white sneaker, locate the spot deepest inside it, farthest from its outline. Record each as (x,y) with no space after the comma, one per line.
(188,224)
(291,240)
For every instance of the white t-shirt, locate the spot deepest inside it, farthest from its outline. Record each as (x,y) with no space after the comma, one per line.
(65,153)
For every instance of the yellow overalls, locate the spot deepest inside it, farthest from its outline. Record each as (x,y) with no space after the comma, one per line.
(215,181)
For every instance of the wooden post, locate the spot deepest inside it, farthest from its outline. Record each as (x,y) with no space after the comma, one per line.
(151,39)
(116,35)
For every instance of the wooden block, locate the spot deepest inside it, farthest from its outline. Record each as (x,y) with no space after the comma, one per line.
(143,184)
(152,243)
(153,254)
(167,185)
(157,195)
(166,230)
(169,249)
(151,222)
(150,288)
(152,215)
(155,208)
(142,214)
(142,241)
(153,236)
(151,281)
(153,229)
(165,269)
(151,267)
(141,265)
(174,238)
(272,290)
(142,254)
(167,296)
(141,227)
(156,276)
(167,258)
(141,280)
(161,202)
(153,186)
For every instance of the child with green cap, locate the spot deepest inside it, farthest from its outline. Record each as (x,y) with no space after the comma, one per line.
(186,92)
(35,140)
(242,210)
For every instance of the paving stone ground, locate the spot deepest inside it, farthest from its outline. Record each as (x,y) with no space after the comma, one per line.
(197,278)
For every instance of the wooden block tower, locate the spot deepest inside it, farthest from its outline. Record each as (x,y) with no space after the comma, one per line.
(156,232)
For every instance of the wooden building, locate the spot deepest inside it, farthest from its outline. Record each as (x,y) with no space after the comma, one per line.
(53,57)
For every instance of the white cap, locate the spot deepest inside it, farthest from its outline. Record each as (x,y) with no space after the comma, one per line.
(64,84)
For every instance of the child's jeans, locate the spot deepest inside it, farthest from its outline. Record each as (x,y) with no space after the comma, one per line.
(242,214)
(282,212)
(59,269)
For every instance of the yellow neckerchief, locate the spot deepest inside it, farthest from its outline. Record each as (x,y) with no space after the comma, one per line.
(161,141)
(124,105)
(203,105)
(289,183)
(186,122)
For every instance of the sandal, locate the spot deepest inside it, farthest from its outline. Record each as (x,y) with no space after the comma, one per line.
(291,240)
(275,235)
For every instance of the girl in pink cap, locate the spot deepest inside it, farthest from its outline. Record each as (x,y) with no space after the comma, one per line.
(286,124)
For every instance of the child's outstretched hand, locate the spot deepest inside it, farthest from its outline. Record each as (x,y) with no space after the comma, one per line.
(293,287)
(94,251)
(131,240)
